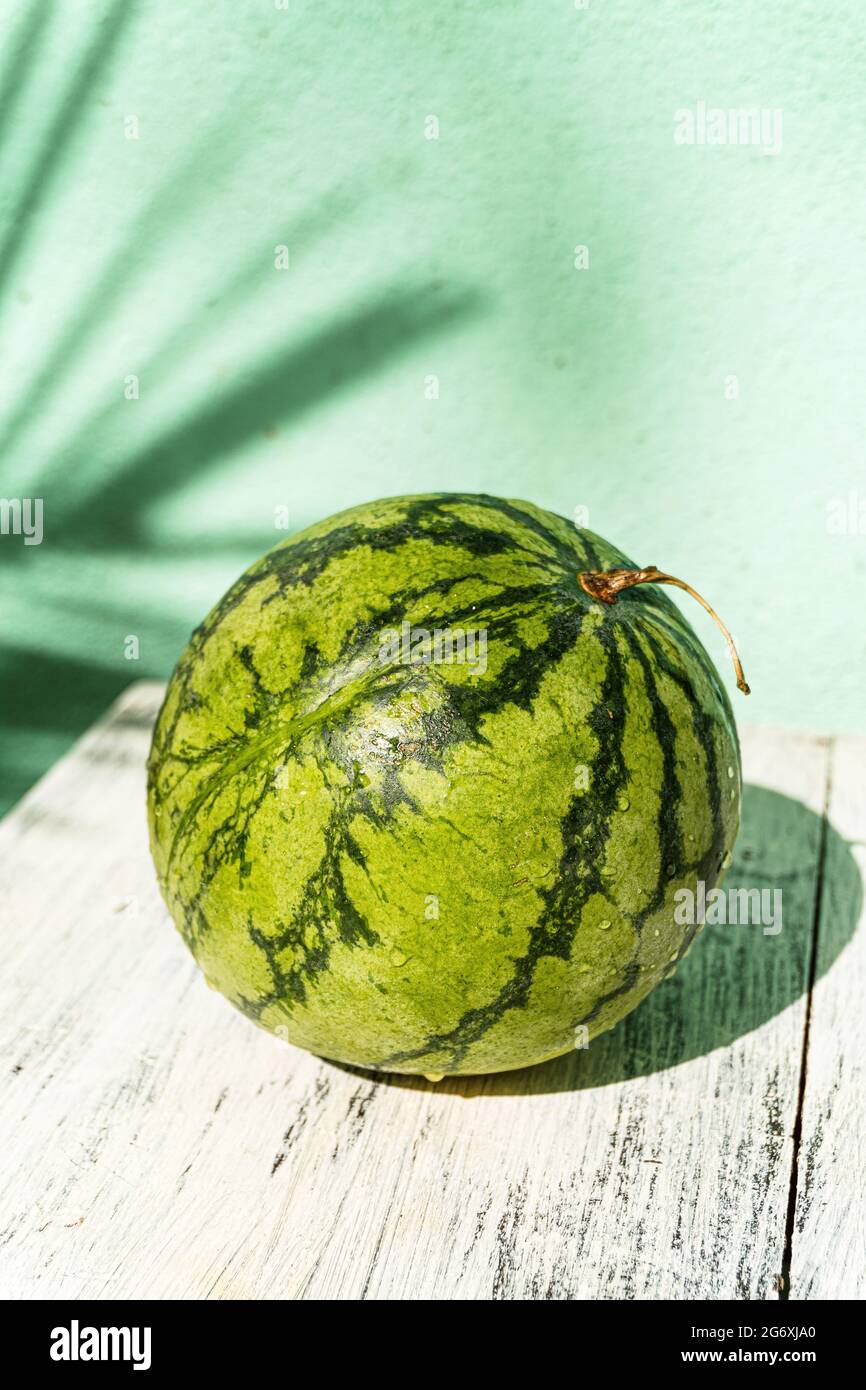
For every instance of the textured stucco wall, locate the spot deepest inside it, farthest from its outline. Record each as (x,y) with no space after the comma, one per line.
(607,388)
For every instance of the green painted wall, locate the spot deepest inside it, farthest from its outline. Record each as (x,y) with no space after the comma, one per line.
(608,388)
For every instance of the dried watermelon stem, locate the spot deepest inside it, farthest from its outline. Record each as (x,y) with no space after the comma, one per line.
(606,585)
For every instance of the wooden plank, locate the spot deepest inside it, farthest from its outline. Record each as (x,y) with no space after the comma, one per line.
(828,1247)
(163,1147)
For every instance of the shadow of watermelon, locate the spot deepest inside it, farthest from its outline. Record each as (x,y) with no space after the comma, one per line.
(735,979)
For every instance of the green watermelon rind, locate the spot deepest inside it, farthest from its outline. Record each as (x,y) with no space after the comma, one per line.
(309,804)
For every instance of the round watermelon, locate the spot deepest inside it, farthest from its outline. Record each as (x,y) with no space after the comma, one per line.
(426,781)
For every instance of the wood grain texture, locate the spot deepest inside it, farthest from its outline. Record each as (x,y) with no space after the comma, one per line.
(160,1146)
(829,1237)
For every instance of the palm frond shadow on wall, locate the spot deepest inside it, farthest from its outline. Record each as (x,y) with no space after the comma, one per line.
(71,600)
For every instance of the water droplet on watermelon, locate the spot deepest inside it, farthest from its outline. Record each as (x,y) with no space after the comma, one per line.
(733,793)
(730,772)
(623,802)
(604,924)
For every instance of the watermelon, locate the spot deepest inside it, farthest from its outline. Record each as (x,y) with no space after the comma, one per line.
(426,781)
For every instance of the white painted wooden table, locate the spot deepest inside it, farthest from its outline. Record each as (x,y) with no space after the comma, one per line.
(157,1145)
